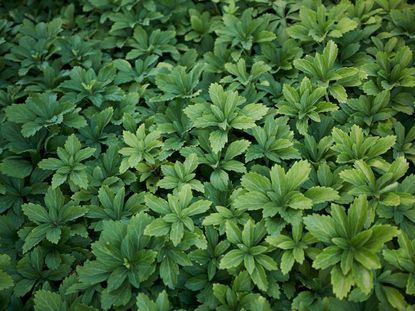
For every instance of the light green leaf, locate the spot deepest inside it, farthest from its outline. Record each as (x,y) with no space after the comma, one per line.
(47,301)
(321,194)
(287,262)
(341,283)
(328,257)
(157,228)
(218,139)
(232,259)
(6,280)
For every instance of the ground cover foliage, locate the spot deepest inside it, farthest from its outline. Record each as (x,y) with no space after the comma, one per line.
(164,155)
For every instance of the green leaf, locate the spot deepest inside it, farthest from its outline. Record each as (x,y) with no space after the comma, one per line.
(287,262)
(58,180)
(72,144)
(145,304)
(321,194)
(162,301)
(218,139)
(266,261)
(236,148)
(50,164)
(232,259)
(298,174)
(35,213)
(169,271)
(249,263)
(339,93)
(321,227)
(47,301)
(395,298)
(18,168)
(157,228)
(341,283)
(54,235)
(363,278)
(116,278)
(35,236)
(156,204)
(6,280)
(327,258)
(196,208)
(330,53)
(176,233)
(344,25)
(233,233)
(80,179)
(219,179)
(255,182)
(260,278)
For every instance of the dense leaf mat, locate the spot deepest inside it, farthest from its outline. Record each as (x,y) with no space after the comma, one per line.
(164,155)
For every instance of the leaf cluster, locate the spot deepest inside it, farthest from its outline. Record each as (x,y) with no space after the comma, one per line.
(207,155)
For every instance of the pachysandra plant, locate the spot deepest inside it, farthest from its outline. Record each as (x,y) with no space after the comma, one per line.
(69,164)
(222,163)
(315,151)
(178,83)
(52,220)
(112,205)
(390,70)
(140,72)
(245,31)
(352,245)
(368,111)
(160,304)
(242,79)
(207,155)
(401,213)
(322,69)
(238,295)
(294,247)
(33,271)
(383,189)
(274,141)
(175,215)
(318,24)
(210,257)
(157,43)
(87,85)
(405,142)
(45,299)
(95,133)
(279,193)
(35,46)
(305,104)
(251,252)
(202,25)
(175,126)
(223,114)
(357,146)
(403,259)
(225,215)
(280,56)
(180,174)
(44,111)
(75,51)
(124,260)
(141,147)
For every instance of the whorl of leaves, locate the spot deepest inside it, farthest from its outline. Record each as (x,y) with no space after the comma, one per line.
(161,155)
